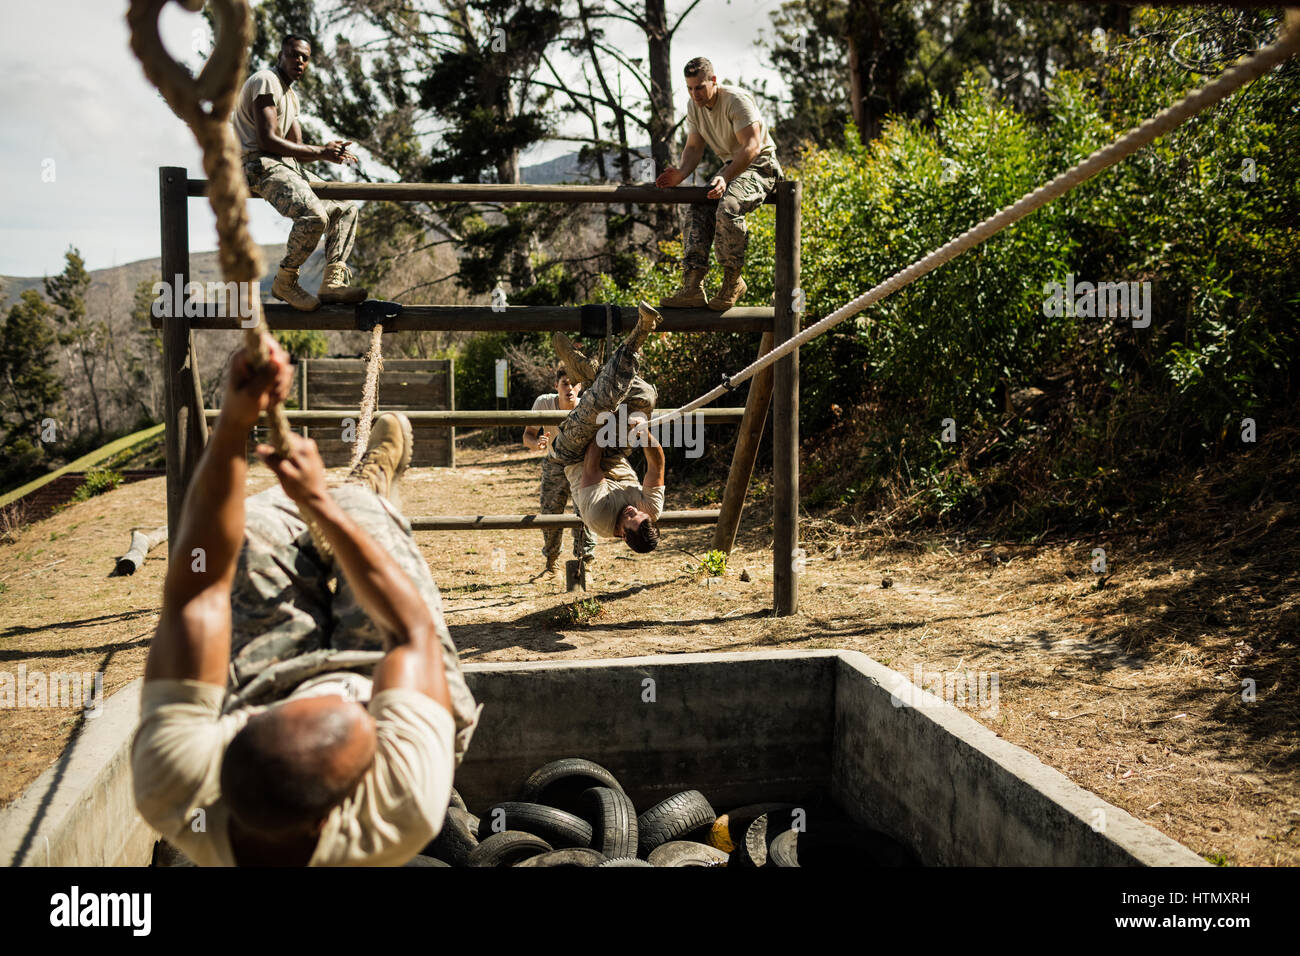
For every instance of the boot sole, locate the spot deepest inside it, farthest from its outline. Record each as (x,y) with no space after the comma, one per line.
(290,302)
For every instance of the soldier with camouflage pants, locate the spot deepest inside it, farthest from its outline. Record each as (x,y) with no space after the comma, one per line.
(555,487)
(725,119)
(266,124)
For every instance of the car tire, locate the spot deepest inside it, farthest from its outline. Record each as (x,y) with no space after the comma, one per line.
(671,819)
(556,827)
(507,849)
(623,861)
(686,853)
(457,838)
(561,783)
(613,821)
(572,857)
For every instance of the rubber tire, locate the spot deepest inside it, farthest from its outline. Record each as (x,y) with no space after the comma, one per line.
(561,783)
(573,857)
(784,850)
(458,801)
(623,861)
(423,860)
(687,853)
(613,821)
(759,836)
(670,819)
(457,838)
(507,848)
(556,827)
(728,831)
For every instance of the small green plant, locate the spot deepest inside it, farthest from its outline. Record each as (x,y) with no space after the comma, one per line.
(97,482)
(715,564)
(1218,859)
(580,613)
(707,496)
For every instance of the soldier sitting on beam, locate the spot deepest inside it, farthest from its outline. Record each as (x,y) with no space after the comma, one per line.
(606,493)
(336,768)
(271,147)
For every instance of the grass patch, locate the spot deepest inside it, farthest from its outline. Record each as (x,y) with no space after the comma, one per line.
(97,482)
(577,614)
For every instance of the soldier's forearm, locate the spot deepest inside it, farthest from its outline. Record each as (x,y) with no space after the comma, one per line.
(738,164)
(279,146)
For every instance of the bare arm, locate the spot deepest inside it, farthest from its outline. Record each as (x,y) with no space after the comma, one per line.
(383,589)
(691,155)
(192,640)
(535,438)
(654,456)
(751,142)
(268,141)
(591,471)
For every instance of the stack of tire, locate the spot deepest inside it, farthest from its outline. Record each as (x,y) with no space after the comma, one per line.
(574,813)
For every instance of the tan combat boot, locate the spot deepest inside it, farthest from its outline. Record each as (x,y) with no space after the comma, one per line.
(388,454)
(334,286)
(580,368)
(733,287)
(647,322)
(285,287)
(691,295)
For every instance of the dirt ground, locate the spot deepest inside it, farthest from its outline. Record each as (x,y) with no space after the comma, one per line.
(1133,689)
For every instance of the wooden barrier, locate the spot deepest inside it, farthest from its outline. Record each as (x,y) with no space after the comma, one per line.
(668,519)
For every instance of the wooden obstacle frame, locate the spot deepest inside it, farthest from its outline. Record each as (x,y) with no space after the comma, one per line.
(778,385)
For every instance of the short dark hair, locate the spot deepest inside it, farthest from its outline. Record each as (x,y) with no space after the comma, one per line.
(644,539)
(293,38)
(274,783)
(699,66)
(561,371)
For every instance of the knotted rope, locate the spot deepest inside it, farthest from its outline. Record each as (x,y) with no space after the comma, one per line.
(369,393)
(218,84)
(1246,70)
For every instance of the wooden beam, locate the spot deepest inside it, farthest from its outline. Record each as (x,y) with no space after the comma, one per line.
(483,318)
(746,453)
(478,419)
(785,414)
(669,519)
(503,192)
(187,431)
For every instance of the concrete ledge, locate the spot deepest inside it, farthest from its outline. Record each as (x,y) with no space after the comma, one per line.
(81,811)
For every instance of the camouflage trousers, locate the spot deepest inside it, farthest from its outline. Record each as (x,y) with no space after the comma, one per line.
(282,604)
(555,495)
(723,227)
(283,183)
(616,383)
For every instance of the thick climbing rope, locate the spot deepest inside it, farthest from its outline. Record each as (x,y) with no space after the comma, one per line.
(217,85)
(369,393)
(1246,70)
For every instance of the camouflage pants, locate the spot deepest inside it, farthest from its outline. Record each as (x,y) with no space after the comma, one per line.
(283,183)
(616,383)
(727,220)
(282,605)
(555,495)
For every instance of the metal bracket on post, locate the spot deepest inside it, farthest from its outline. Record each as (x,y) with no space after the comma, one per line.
(374,312)
(599,320)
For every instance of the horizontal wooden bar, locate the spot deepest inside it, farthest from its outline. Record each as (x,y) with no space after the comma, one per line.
(501,192)
(477,419)
(483,318)
(532,522)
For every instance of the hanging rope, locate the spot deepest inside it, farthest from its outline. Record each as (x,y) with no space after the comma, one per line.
(1246,70)
(369,393)
(218,84)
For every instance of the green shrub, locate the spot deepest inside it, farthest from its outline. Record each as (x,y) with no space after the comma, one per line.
(97,482)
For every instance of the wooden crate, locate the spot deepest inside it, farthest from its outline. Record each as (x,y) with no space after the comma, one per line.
(404,384)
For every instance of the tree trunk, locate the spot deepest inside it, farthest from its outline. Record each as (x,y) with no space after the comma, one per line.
(660,47)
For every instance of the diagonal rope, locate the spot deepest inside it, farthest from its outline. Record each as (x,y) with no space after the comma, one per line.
(1245,71)
(369,394)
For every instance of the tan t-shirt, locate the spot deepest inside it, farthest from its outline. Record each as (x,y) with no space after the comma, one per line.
(734,110)
(550,402)
(600,504)
(395,811)
(244,119)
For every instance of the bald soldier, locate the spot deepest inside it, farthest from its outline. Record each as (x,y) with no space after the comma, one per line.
(726,119)
(260,742)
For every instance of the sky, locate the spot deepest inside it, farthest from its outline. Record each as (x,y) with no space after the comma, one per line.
(82,132)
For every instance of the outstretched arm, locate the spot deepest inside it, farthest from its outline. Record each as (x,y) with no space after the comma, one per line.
(269,141)
(383,589)
(691,155)
(192,640)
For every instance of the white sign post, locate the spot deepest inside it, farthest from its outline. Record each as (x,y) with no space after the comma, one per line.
(503,379)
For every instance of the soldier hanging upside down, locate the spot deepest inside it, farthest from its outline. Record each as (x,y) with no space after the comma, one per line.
(726,120)
(259,742)
(270,139)
(606,493)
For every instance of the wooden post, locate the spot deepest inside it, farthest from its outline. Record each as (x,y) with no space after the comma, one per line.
(746,453)
(786,558)
(187,430)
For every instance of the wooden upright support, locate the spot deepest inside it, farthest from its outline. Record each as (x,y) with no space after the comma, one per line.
(786,556)
(187,431)
(746,453)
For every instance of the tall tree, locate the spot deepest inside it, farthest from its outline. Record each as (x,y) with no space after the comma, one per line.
(30,387)
(82,335)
